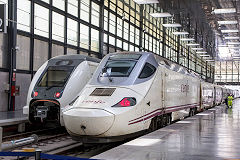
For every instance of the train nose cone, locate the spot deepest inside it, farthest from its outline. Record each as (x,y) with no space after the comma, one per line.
(92,122)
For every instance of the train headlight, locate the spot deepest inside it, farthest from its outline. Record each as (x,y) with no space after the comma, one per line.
(126,102)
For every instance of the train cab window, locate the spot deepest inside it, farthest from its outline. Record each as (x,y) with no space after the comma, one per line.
(147,71)
(118,68)
(55,76)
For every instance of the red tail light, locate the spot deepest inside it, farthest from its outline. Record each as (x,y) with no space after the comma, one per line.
(126,102)
(57,95)
(35,94)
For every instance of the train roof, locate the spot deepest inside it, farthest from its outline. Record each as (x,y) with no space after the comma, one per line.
(76,56)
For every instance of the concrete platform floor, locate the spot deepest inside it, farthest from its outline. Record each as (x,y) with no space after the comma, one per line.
(210,135)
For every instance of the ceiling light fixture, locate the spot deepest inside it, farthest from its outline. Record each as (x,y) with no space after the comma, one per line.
(201,52)
(180,33)
(227,22)
(230,31)
(197,49)
(193,44)
(187,39)
(234,47)
(233,43)
(172,25)
(146,1)
(222,45)
(224,10)
(232,38)
(161,15)
(204,55)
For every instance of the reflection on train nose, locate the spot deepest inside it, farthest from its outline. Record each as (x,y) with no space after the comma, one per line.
(90,121)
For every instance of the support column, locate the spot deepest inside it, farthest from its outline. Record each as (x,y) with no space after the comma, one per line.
(1,131)
(12,40)
(32,40)
(141,29)
(101,31)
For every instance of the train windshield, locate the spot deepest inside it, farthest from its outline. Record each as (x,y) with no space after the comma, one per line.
(118,68)
(55,76)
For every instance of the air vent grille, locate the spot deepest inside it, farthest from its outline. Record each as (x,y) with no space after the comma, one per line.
(103,92)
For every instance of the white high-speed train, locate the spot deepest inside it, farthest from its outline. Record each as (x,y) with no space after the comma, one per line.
(133,92)
(56,83)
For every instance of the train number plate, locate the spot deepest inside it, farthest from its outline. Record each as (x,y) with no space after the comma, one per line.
(41,111)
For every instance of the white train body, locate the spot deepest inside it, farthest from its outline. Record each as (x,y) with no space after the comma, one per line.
(165,91)
(56,83)
(129,90)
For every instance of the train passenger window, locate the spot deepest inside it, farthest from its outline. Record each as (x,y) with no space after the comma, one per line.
(147,71)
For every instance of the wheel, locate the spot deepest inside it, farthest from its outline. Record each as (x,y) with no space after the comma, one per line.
(191,113)
(154,124)
(169,118)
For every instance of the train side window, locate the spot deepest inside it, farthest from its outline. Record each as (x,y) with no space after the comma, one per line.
(147,71)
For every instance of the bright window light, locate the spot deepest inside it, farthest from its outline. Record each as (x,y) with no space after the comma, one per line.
(161,15)
(187,39)
(197,49)
(230,31)
(227,22)
(224,10)
(232,38)
(142,142)
(209,60)
(223,52)
(180,33)
(172,25)
(146,1)
(193,44)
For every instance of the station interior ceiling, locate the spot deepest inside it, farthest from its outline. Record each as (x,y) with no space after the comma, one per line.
(215,25)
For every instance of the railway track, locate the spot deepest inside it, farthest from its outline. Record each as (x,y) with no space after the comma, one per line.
(40,132)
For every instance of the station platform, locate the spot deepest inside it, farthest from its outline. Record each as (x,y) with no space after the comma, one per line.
(213,134)
(12,118)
